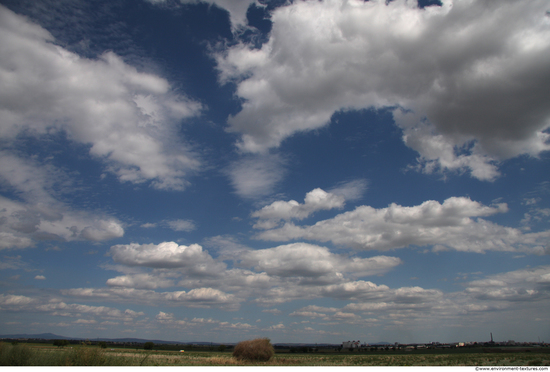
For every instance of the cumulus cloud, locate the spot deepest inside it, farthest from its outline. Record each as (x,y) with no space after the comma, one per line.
(197,298)
(24,224)
(60,308)
(128,118)
(454,224)
(467,79)
(15,301)
(532,284)
(192,258)
(314,201)
(143,281)
(307,260)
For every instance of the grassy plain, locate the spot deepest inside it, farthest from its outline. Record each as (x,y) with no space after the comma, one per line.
(42,355)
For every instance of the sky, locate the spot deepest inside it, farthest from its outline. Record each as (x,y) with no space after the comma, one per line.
(309,171)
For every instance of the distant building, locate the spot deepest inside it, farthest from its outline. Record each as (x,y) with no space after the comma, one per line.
(351,344)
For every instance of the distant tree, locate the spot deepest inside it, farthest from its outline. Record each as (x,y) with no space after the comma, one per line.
(221,348)
(102,344)
(148,345)
(60,343)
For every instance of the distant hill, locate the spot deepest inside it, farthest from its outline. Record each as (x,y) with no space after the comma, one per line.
(51,336)
(44,336)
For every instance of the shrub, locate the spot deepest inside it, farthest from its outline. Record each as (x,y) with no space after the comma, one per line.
(149,345)
(18,355)
(83,356)
(258,350)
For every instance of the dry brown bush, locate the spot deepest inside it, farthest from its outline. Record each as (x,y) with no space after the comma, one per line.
(258,350)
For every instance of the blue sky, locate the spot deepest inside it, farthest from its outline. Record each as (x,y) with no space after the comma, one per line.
(307,171)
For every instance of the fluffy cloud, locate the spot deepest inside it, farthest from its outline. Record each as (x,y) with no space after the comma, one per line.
(167,255)
(455,224)
(23,224)
(141,281)
(521,285)
(306,260)
(198,298)
(60,308)
(278,274)
(128,118)
(15,301)
(469,78)
(315,200)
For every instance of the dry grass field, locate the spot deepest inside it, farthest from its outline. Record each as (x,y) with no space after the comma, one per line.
(94,356)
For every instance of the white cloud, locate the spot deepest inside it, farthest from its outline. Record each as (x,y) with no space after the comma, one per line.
(256,176)
(164,316)
(9,240)
(455,224)
(350,190)
(40,277)
(275,327)
(272,311)
(167,255)
(470,76)
(60,308)
(314,201)
(307,314)
(307,260)
(196,298)
(85,321)
(128,118)
(15,301)
(532,284)
(143,281)
(40,215)
(227,247)
(26,223)
(181,225)
(239,326)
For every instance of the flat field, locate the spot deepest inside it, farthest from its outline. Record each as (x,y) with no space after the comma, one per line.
(320,359)
(92,355)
